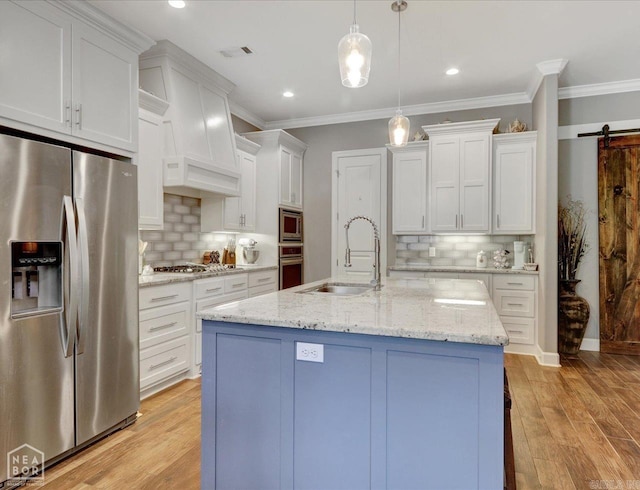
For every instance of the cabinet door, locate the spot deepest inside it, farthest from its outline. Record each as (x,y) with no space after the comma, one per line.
(285,176)
(474,182)
(248,189)
(410,192)
(444,157)
(232,208)
(105,87)
(296,180)
(513,190)
(35,85)
(150,190)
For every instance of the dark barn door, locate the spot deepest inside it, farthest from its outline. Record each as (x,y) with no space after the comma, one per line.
(619,233)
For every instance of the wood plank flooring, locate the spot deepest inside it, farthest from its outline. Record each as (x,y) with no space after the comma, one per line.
(575,427)
(161,450)
(578,426)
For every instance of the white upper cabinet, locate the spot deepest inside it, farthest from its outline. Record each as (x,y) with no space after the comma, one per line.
(459,176)
(69,79)
(514,156)
(235,213)
(410,188)
(283,154)
(150,136)
(200,150)
(290,177)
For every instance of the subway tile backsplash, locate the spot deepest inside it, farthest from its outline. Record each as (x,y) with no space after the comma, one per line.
(181,240)
(453,250)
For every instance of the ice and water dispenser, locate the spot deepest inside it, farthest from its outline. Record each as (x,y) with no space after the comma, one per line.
(36,278)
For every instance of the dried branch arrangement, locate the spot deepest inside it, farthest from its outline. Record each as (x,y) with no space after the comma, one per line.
(571,238)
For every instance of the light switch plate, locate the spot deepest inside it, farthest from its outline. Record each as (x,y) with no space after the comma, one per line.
(309,352)
(432,251)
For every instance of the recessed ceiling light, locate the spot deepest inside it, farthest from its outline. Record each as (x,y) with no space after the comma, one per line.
(452,71)
(288,93)
(177,4)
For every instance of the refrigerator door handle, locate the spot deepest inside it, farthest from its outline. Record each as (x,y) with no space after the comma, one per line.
(83,245)
(69,316)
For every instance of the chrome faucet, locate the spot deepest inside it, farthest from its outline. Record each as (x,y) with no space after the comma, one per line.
(375,282)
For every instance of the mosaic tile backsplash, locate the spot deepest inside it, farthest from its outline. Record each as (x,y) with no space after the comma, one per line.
(454,250)
(181,240)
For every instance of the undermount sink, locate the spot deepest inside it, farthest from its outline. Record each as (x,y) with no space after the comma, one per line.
(338,289)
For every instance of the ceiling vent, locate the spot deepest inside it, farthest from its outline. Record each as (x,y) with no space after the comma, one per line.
(236,52)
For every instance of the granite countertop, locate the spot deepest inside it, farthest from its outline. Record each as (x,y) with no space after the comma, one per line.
(159,278)
(454,310)
(457,268)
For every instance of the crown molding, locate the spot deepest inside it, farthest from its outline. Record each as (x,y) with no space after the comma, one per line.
(239,111)
(276,136)
(414,110)
(485,125)
(133,39)
(552,67)
(599,89)
(152,103)
(246,145)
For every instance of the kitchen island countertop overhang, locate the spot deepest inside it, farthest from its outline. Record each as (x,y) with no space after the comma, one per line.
(453,310)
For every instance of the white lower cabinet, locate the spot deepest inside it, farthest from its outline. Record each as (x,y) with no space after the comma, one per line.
(166,320)
(263,282)
(514,297)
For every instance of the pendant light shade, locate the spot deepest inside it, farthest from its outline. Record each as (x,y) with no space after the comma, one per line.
(354,56)
(398,129)
(398,124)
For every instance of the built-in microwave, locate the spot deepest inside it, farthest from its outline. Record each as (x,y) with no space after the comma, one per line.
(290,226)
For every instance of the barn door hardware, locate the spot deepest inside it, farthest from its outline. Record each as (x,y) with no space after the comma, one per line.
(606,132)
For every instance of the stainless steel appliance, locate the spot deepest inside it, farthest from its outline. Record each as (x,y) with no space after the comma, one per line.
(69,362)
(291,265)
(290,226)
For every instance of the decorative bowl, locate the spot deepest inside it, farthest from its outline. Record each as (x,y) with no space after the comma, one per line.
(530,266)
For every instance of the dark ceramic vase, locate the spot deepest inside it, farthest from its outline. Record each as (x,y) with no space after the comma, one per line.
(573,315)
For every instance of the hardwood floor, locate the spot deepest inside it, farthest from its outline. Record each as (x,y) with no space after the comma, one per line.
(575,427)
(161,450)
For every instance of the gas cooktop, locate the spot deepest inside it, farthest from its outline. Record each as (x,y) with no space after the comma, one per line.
(193,268)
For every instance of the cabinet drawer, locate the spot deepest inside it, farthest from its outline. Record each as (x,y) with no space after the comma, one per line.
(235,283)
(203,304)
(262,278)
(265,289)
(514,303)
(209,287)
(158,325)
(163,361)
(164,295)
(520,330)
(513,281)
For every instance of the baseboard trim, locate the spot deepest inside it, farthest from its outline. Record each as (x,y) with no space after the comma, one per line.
(590,345)
(547,358)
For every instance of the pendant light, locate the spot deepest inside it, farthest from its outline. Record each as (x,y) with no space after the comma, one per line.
(354,56)
(398,124)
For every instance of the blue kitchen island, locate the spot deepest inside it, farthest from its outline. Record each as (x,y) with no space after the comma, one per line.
(400,388)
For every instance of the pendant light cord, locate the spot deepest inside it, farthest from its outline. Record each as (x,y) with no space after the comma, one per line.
(354,12)
(399,12)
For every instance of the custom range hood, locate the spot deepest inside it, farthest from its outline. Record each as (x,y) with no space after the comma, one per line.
(199,144)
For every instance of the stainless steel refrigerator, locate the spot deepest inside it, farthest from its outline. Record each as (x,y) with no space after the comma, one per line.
(69,364)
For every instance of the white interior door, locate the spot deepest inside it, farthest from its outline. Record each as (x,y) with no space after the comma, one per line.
(359,189)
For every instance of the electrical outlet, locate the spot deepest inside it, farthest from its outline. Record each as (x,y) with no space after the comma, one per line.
(309,352)
(432,251)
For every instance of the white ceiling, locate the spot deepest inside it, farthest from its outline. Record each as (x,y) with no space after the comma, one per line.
(495,44)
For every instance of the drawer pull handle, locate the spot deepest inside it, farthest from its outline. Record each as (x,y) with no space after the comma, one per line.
(516,331)
(237,284)
(263,279)
(214,289)
(163,363)
(160,327)
(515,284)
(163,298)
(515,304)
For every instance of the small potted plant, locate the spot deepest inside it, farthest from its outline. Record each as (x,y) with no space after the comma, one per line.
(573,310)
